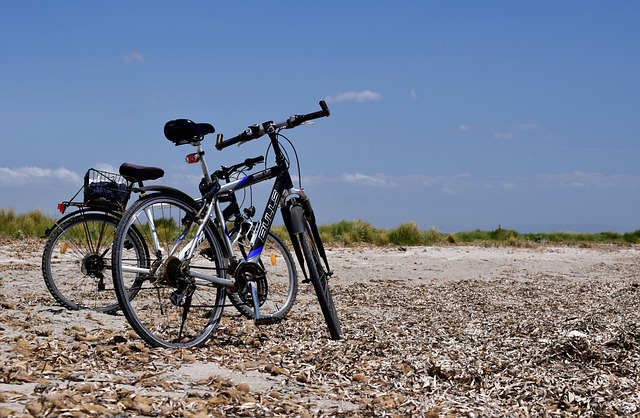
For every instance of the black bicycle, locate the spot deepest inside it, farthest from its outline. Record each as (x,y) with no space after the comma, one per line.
(181,288)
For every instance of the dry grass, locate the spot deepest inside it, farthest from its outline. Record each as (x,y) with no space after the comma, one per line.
(538,345)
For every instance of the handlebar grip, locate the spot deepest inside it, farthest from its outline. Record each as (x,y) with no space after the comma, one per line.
(315,115)
(252,133)
(255,160)
(296,120)
(250,162)
(222,144)
(325,108)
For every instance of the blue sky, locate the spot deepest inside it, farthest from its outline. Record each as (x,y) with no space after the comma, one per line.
(456,115)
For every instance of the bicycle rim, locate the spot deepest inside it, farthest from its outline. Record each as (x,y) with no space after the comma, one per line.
(170,309)
(76,262)
(278,288)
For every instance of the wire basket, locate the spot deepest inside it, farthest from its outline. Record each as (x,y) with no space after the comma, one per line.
(105,190)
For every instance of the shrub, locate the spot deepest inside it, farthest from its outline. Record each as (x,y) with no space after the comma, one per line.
(33,224)
(351,232)
(27,225)
(406,234)
(432,236)
(631,237)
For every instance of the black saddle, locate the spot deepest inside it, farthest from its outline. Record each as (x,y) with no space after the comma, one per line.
(185,131)
(134,172)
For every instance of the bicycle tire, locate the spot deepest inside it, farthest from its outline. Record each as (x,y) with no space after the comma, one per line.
(278,292)
(318,276)
(76,262)
(170,309)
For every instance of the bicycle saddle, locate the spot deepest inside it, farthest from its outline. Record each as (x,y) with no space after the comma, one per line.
(140,172)
(185,131)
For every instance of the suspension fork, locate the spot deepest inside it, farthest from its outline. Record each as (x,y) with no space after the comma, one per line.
(294,214)
(294,228)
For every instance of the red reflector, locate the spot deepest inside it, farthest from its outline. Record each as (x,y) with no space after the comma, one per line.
(192,158)
(61,207)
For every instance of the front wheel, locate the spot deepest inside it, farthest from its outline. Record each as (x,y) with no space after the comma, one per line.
(317,274)
(172,308)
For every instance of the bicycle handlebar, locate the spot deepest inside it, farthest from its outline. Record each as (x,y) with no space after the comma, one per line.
(249,163)
(255,131)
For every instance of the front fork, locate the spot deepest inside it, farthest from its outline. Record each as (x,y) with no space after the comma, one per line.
(294,213)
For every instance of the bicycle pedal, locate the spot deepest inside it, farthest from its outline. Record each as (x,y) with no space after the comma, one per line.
(267,320)
(176,297)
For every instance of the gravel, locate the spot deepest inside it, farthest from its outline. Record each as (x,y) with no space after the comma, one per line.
(429,331)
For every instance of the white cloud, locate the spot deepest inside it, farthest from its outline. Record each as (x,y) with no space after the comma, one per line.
(462,176)
(582,180)
(426,181)
(363,179)
(25,176)
(462,182)
(464,127)
(355,96)
(413,95)
(503,135)
(105,167)
(132,57)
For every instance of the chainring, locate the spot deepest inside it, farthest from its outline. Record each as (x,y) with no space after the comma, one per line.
(251,272)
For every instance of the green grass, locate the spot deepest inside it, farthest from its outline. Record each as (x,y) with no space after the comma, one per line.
(33,224)
(26,225)
(350,233)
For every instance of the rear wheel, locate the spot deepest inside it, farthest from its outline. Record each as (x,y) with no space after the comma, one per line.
(276,280)
(172,308)
(76,262)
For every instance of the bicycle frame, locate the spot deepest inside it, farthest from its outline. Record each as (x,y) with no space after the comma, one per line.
(282,190)
(282,187)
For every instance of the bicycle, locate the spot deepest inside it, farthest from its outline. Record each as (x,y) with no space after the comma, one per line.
(77,252)
(180,290)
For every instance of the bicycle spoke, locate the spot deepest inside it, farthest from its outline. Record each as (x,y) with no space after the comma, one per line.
(75,266)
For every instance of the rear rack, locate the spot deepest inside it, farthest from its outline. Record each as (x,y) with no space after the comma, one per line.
(101,190)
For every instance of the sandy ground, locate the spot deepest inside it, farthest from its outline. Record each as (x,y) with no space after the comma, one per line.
(430,331)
